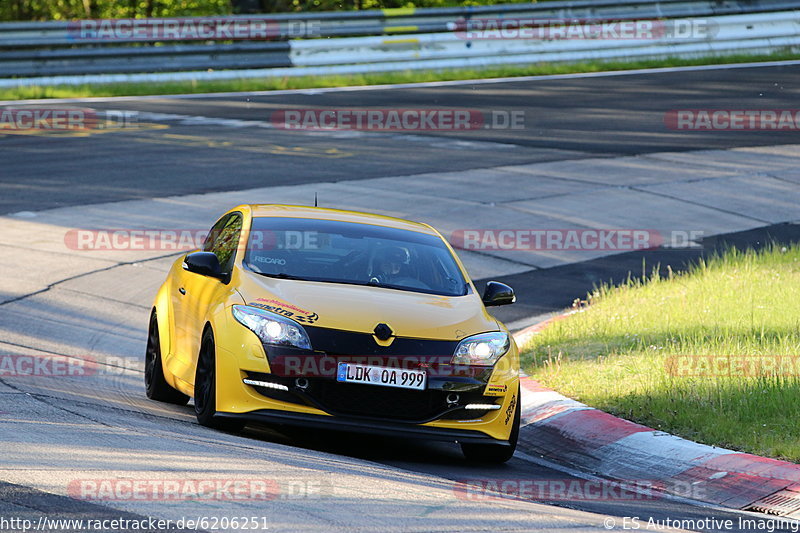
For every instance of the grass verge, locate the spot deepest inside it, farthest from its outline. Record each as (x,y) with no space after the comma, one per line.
(710,354)
(310,82)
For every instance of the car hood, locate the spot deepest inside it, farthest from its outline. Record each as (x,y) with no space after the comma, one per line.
(361,308)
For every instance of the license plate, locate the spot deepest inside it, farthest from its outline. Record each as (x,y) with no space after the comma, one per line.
(378,375)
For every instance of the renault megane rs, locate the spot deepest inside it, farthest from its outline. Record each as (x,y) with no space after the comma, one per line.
(324,318)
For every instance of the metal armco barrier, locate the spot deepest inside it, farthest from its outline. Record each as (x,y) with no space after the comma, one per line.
(382,40)
(735,33)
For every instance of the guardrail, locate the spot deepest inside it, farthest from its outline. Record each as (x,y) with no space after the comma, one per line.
(735,33)
(377,40)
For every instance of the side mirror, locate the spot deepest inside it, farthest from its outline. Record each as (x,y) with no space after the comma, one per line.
(497,293)
(203,263)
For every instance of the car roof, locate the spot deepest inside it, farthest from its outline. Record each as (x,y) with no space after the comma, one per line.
(322,213)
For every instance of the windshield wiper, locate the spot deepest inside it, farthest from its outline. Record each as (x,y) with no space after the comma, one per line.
(282,275)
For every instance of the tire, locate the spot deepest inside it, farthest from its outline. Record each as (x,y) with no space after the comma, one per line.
(495,453)
(205,389)
(155,385)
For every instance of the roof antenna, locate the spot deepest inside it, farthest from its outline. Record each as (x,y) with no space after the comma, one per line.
(315,199)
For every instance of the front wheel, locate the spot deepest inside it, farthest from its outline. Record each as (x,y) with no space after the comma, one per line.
(205,389)
(495,453)
(156,386)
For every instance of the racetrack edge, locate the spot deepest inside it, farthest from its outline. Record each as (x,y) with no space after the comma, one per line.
(572,434)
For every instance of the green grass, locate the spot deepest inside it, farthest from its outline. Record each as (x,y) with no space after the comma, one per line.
(307,82)
(615,355)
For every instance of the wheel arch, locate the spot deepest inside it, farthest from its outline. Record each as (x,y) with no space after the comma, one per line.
(162,307)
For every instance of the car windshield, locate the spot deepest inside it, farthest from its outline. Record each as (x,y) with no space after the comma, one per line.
(346,252)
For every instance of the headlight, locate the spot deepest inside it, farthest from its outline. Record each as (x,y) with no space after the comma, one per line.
(272,328)
(483,349)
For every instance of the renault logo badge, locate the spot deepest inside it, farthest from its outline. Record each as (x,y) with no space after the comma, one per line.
(383,332)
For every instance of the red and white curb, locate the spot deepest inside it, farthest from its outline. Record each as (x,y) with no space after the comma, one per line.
(567,432)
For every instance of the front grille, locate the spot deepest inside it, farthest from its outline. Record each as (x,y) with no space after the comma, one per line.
(386,402)
(342,342)
(370,400)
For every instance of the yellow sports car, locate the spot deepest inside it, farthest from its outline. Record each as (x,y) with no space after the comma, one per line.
(335,319)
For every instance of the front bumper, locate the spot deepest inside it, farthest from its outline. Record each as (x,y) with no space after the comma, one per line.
(352,400)
(239,358)
(371,427)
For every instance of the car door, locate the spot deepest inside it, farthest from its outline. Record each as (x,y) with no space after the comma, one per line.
(203,292)
(180,357)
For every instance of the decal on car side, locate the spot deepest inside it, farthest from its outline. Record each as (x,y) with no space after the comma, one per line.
(287,310)
(496,390)
(510,410)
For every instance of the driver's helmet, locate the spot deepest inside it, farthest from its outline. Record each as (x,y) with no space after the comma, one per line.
(389,261)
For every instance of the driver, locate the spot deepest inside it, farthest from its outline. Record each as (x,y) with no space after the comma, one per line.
(389,263)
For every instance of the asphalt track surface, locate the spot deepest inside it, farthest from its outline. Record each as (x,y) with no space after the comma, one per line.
(564,119)
(107,423)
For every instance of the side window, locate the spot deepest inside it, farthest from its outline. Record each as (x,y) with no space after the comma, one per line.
(227,241)
(214,233)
